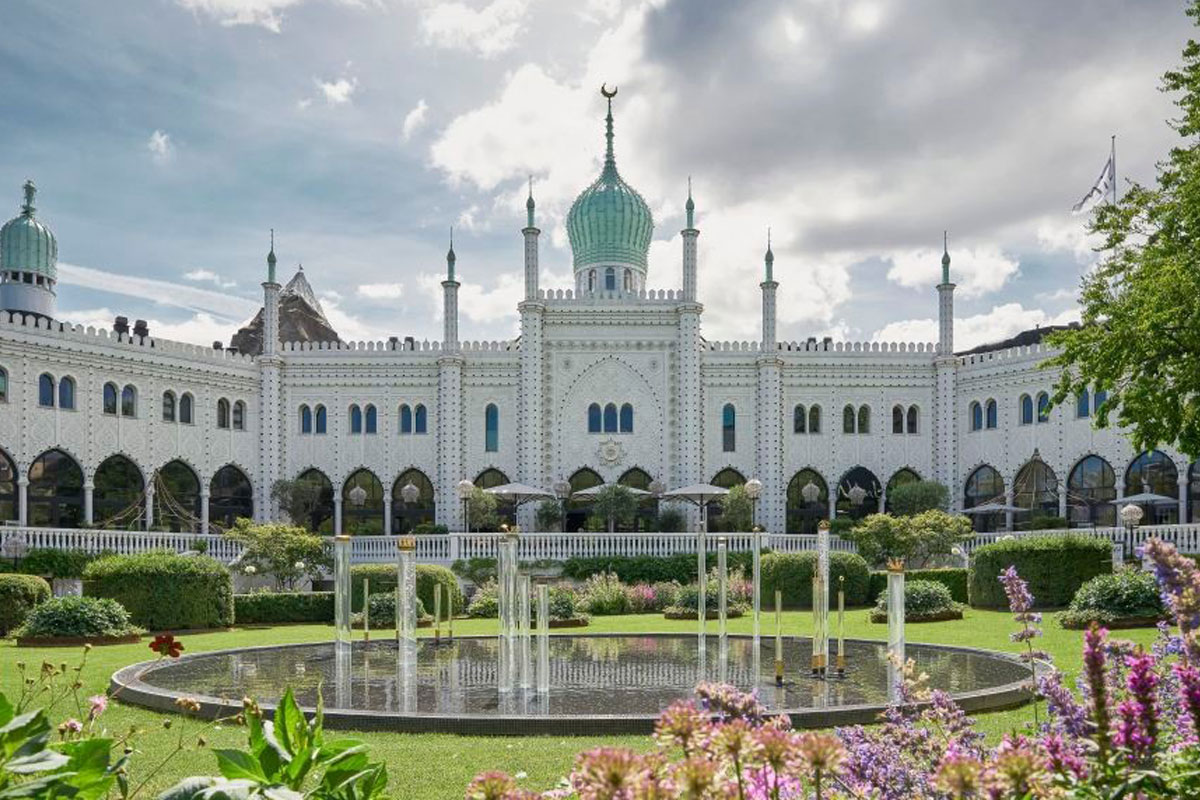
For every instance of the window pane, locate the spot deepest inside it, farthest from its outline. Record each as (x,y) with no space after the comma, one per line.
(848,419)
(168,407)
(991,414)
(355,419)
(421,422)
(976,417)
(610,418)
(222,413)
(610,279)
(1026,410)
(1043,407)
(66,393)
(491,424)
(814,419)
(912,419)
(864,419)
(305,419)
(897,419)
(128,402)
(1083,404)
(46,391)
(371,419)
(729,428)
(3,385)
(185,409)
(405,419)
(593,416)
(627,418)
(798,419)
(239,416)
(320,419)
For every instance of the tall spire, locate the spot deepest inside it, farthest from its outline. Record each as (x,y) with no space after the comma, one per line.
(945,257)
(271,259)
(690,206)
(450,257)
(529,206)
(28,207)
(769,259)
(610,160)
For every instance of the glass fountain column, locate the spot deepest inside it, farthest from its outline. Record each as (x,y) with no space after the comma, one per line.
(543,636)
(723,608)
(895,612)
(341,591)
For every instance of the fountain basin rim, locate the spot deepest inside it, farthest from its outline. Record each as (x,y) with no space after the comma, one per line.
(126,685)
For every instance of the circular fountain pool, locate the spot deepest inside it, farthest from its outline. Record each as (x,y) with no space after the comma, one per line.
(599,684)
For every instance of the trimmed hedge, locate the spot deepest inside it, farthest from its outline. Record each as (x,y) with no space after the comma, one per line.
(18,596)
(953,578)
(51,562)
(792,573)
(383,579)
(261,607)
(924,601)
(649,569)
(1054,566)
(77,616)
(165,591)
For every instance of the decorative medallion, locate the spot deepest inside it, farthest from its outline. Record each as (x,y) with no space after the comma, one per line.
(611,452)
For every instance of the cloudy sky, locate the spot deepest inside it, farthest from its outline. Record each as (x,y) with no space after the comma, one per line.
(168,136)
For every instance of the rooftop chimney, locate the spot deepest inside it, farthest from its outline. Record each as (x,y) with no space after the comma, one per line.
(140,328)
(121,326)
(218,346)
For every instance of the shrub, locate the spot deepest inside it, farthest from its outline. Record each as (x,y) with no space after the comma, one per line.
(383,579)
(563,603)
(260,607)
(737,510)
(485,603)
(916,539)
(477,570)
(792,573)
(910,499)
(924,601)
(78,616)
(549,515)
(604,595)
(481,511)
(429,529)
(19,594)
(163,590)
(382,608)
(51,562)
(648,569)
(1129,595)
(1055,566)
(285,552)
(953,578)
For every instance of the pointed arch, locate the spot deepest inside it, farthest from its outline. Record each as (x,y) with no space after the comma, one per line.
(239,416)
(222,413)
(848,419)
(984,485)
(118,496)
(55,491)
(911,417)
(129,401)
(185,408)
(1043,407)
(1091,490)
(897,419)
(306,420)
(321,419)
(230,497)
(900,477)
(1036,488)
(320,517)
(1026,404)
(1154,471)
(727,478)
(367,518)
(371,423)
(803,516)
(355,419)
(864,419)
(420,419)
(849,503)
(991,415)
(578,510)
(176,498)
(976,415)
(406,516)
(9,510)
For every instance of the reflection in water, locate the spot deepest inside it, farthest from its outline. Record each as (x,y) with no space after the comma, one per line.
(588,675)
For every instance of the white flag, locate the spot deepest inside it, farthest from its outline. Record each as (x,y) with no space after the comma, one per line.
(1103,186)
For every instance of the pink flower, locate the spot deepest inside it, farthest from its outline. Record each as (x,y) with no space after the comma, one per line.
(99,703)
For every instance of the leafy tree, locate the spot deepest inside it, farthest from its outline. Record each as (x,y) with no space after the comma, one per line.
(916,539)
(671,520)
(909,499)
(737,510)
(297,498)
(549,515)
(481,511)
(617,505)
(1140,337)
(286,552)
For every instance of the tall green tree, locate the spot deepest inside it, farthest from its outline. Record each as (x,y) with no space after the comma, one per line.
(909,499)
(1140,338)
(615,504)
(737,510)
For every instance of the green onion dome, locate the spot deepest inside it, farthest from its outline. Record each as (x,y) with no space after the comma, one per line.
(27,245)
(610,223)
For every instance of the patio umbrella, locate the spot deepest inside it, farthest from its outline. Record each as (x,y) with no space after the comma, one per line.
(993,508)
(592,491)
(518,493)
(698,494)
(1144,498)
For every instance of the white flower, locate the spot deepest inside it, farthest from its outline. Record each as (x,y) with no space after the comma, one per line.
(522,775)
(250,570)
(300,566)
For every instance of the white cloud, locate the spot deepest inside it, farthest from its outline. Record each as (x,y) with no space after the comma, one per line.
(208,275)
(164,292)
(201,328)
(160,146)
(487,31)
(337,92)
(477,304)
(414,119)
(1067,233)
(977,271)
(1000,323)
(380,291)
(349,327)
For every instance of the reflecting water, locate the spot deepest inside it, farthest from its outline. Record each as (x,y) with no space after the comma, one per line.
(588,675)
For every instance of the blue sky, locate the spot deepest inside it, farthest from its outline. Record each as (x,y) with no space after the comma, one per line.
(167,137)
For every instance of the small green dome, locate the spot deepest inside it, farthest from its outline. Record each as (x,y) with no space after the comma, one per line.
(610,223)
(26,244)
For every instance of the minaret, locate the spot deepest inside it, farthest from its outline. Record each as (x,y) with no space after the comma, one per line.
(531,450)
(945,445)
(450,405)
(769,408)
(270,431)
(690,234)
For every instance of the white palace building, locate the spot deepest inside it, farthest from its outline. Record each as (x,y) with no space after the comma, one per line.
(608,381)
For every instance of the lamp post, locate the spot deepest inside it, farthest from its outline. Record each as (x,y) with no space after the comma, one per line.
(409,494)
(656,489)
(562,490)
(1131,515)
(358,497)
(810,493)
(465,488)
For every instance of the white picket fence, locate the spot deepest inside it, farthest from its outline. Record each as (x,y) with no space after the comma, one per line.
(534,546)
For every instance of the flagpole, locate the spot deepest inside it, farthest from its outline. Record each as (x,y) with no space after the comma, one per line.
(1114,168)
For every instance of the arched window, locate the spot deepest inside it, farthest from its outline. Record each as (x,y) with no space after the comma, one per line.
(728,428)
(355,419)
(222,413)
(594,419)
(799,419)
(366,518)
(1099,399)
(406,515)
(806,506)
(505,513)
(1026,410)
(1155,472)
(320,421)
(591,280)
(129,401)
(1036,489)
(46,390)
(991,414)
(726,479)
(491,429)
(3,385)
(372,421)
(627,281)
(626,418)
(177,498)
(110,398)
(647,513)
(911,418)
(305,419)
(185,409)
(864,419)
(984,486)
(848,419)
(610,280)
(66,393)
(814,419)
(1043,407)
(230,497)
(8,489)
(897,419)
(420,419)
(610,418)
(1091,488)
(117,501)
(858,493)
(902,477)
(168,407)
(1083,404)
(976,416)
(406,421)
(55,491)
(318,518)
(239,416)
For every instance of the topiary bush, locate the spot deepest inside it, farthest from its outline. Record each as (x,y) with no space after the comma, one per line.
(382,608)
(165,591)
(792,573)
(77,616)
(1054,566)
(924,601)
(1127,598)
(19,594)
(278,607)
(383,579)
(953,578)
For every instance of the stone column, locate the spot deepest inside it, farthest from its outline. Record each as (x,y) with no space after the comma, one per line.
(150,507)
(1008,501)
(89,516)
(337,515)
(204,497)
(1183,498)
(23,499)
(387,513)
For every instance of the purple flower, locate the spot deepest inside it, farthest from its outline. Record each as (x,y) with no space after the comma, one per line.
(1189,693)
(1066,713)
(1094,675)
(1179,582)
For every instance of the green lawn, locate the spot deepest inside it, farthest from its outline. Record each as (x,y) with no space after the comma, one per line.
(441,765)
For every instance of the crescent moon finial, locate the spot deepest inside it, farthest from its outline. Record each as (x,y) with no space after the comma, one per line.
(604,91)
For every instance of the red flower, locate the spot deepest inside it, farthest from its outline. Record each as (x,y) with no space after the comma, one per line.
(165,645)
